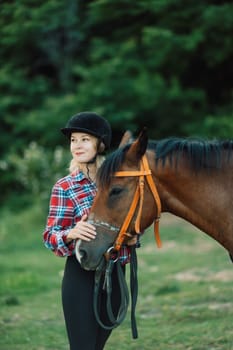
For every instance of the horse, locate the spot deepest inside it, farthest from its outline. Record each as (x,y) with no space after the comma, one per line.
(188,177)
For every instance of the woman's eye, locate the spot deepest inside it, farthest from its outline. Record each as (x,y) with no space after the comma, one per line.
(115,191)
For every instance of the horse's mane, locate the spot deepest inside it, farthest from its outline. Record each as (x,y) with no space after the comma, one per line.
(202,154)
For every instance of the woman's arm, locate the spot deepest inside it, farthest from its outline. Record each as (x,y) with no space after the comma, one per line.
(59,223)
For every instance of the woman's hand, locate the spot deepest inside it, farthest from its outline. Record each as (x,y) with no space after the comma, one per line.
(82,230)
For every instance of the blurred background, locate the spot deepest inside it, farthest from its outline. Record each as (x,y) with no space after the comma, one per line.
(164,64)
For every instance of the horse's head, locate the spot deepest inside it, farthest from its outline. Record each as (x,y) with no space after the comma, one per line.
(112,203)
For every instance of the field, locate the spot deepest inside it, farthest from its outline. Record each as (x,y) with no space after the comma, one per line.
(185,290)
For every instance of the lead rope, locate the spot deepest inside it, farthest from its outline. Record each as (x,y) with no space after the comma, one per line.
(133,289)
(107,286)
(115,321)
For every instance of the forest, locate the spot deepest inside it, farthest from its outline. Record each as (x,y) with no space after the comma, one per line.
(161,64)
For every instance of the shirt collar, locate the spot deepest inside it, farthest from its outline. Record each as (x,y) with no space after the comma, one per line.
(79,175)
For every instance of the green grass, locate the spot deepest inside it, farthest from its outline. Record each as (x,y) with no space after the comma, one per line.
(184,301)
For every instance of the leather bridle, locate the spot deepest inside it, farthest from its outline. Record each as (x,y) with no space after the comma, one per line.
(138,199)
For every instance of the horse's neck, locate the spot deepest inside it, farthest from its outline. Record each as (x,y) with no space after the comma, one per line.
(201,198)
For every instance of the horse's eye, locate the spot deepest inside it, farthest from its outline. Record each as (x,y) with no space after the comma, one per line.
(115,191)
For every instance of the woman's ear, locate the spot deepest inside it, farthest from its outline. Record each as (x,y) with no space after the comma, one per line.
(101,147)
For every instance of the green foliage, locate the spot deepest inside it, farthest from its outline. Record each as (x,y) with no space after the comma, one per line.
(35,172)
(221,125)
(162,64)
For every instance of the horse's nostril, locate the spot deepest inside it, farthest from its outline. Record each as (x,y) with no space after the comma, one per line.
(81,255)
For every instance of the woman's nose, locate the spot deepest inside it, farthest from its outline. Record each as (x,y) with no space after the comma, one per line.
(77,144)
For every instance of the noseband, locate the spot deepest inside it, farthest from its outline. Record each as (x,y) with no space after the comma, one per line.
(138,198)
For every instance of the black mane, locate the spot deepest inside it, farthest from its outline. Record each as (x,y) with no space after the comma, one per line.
(201,154)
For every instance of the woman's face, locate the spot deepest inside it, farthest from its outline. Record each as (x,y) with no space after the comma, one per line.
(83,147)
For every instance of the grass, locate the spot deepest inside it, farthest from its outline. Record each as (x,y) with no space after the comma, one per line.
(184,301)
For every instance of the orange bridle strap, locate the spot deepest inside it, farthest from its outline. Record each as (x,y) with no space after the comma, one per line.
(139,197)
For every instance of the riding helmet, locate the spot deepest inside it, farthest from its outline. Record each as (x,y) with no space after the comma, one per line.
(90,123)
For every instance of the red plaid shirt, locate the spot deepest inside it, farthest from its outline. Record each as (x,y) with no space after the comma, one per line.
(71,198)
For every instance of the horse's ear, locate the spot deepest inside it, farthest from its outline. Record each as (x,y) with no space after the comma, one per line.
(126,138)
(138,147)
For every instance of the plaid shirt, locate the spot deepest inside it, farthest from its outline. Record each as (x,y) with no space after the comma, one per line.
(71,198)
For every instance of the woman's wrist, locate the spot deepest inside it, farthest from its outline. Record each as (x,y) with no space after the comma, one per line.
(69,238)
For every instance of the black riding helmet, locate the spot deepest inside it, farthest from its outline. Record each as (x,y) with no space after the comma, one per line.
(90,123)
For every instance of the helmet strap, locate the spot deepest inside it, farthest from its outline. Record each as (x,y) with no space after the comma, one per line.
(93,160)
(88,172)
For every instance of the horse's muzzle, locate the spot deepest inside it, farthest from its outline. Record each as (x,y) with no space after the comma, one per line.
(87,260)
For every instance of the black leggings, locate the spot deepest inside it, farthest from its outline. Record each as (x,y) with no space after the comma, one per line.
(84,333)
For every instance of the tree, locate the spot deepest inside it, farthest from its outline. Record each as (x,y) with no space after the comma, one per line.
(163,64)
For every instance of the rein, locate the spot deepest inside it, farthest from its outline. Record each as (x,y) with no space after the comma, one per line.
(103,279)
(106,267)
(138,198)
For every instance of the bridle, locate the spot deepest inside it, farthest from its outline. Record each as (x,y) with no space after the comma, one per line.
(138,198)
(137,201)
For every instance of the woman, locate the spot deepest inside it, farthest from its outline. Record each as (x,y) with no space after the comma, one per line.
(71,200)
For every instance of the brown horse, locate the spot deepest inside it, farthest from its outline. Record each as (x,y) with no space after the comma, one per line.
(193,179)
